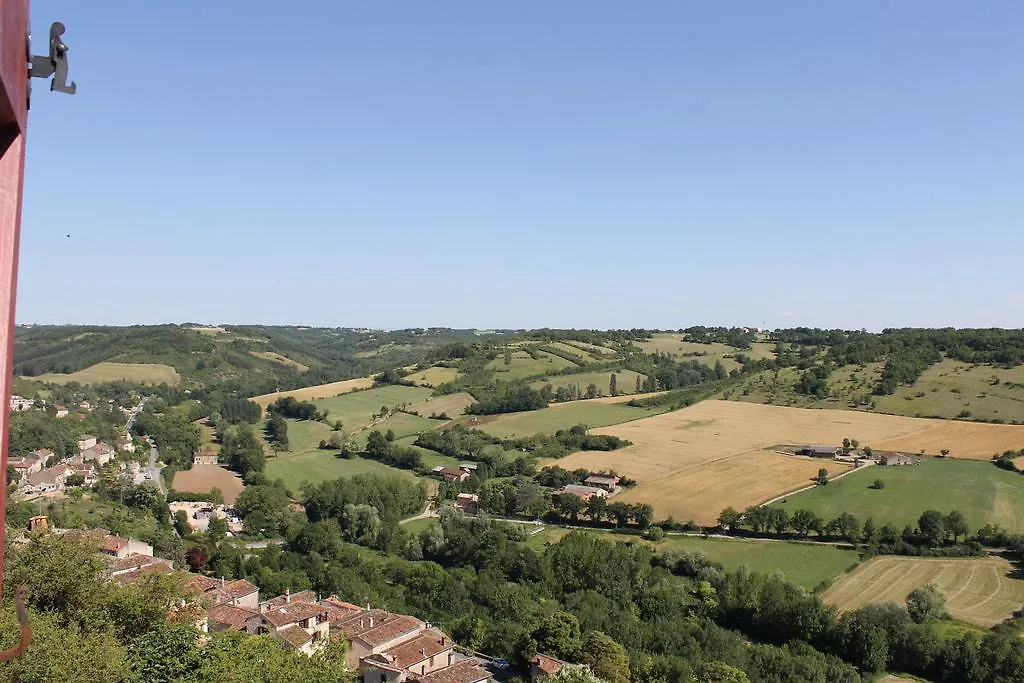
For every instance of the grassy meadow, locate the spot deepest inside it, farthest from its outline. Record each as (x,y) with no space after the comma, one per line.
(143,373)
(523,365)
(625,381)
(947,389)
(317,466)
(561,416)
(983,492)
(804,564)
(356,409)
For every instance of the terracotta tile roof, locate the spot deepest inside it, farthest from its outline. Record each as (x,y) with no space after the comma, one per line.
(340,604)
(41,453)
(113,544)
(548,665)
(230,616)
(282,600)
(198,454)
(466,671)
(201,584)
(352,625)
(136,562)
(294,636)
(423,646)
(397,625)
(162,567)
(238,588)
(293,612)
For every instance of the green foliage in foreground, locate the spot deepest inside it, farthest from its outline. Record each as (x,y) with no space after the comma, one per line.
(86,629)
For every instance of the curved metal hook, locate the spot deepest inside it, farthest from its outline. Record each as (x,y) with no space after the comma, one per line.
(26,630)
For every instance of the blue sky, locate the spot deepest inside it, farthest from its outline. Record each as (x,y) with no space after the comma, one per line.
(579,163)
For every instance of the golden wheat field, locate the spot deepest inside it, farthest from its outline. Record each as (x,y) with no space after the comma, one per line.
(692,463)
(978,590)
(316,392)
(433,376)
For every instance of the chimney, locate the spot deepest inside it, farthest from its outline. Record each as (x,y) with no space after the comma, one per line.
(287,595)
(371,621)
(423,652)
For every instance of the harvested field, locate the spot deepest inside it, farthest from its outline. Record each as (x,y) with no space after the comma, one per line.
(278,358)
(972,440)
(432,377)
(204,478)
(316,392)
(144,373)
(694,462)
(451,405)
(980,591)
(549,420)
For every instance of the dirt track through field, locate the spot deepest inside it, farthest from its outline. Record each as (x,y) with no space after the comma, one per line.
(692,463)
(978,590)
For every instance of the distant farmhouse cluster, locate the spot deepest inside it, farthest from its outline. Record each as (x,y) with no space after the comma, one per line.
(857,456)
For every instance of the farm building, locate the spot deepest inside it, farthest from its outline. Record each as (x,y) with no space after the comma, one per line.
(204,458)
(584,492)
(820,451)
(86,441)
(452,474)
(897,459)
(608,482)
(467,502)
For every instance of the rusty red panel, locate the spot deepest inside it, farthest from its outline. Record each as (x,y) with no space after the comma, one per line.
(13,113)
(13,62)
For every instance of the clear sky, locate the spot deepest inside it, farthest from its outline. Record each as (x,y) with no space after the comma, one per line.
(525,163)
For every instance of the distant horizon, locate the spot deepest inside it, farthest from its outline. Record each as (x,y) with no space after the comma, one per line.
(496,330)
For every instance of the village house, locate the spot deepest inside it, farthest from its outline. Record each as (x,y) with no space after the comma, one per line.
(19,404)
(62,412)
(542,666)
(136,567)
(49,480)
(41,454)
(302,625)
(226,617)
(608,482)
(469,467)
(425,653)
(240,593)
(100,453)
(897,459)
(25,466)
(128,444)
(584,492)
(120,547)
(466,671)
(204,458)
(451,474)
(86,441)
(468,503)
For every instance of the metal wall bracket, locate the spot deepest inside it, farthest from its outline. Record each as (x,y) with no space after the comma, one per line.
(55,64)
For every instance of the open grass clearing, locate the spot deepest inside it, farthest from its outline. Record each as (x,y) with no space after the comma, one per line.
(523,365)
(950,387)
(692,463)
(205,478)
(318,466)
(278,358)
(625,381)
(402,424)
(143,373)
(550,420)
(804,564)
(316,392)
(978,590)
(356,409)
(982,491)
(382,349)
(451,405)
(90,512)
(434,376)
